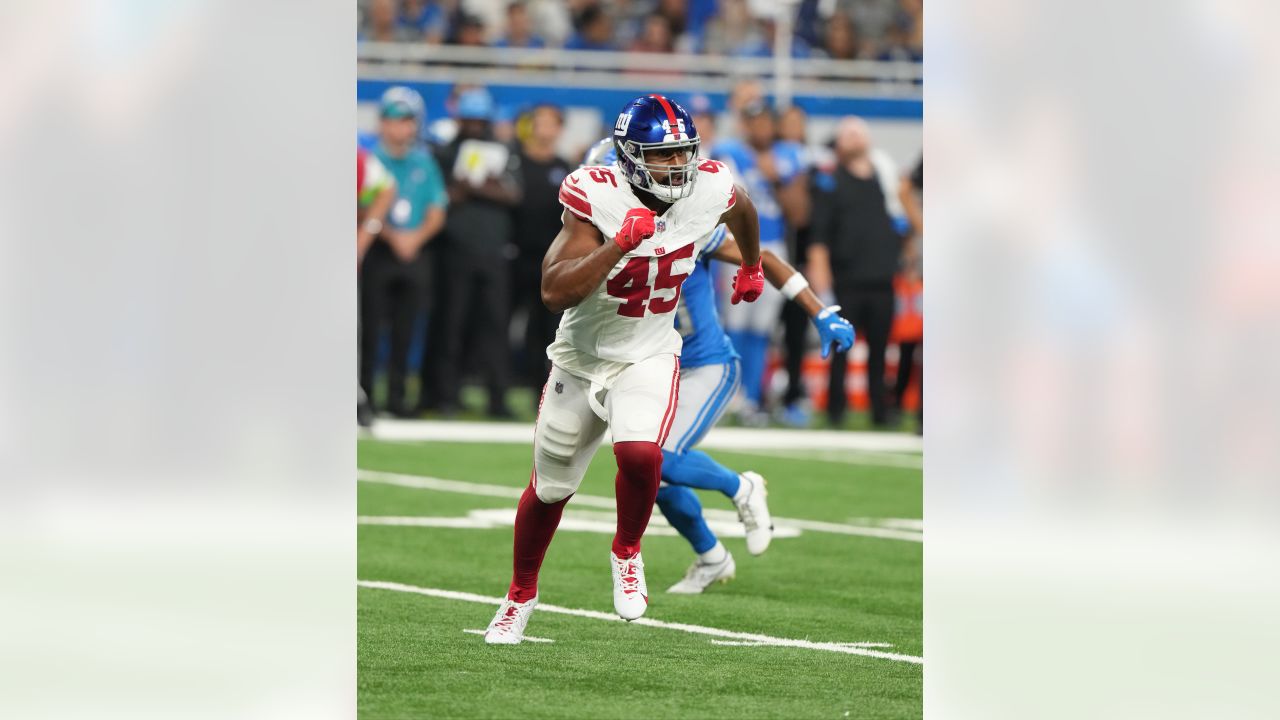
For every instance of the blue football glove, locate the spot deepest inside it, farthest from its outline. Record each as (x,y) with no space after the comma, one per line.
(833,329)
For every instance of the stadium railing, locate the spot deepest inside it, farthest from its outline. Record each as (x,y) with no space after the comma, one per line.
(588,69)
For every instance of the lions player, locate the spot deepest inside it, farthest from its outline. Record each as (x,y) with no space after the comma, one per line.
(773,172)
(615,359)
(709,377)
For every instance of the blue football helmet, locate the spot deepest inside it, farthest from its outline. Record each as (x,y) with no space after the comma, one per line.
(653,122)
(602,153)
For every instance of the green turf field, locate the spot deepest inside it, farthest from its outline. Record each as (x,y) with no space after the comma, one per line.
(820,589)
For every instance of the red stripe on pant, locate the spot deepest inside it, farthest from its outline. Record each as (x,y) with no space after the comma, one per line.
(673,399)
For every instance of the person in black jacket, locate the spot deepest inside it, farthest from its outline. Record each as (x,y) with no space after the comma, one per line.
(537,221)
(851,222)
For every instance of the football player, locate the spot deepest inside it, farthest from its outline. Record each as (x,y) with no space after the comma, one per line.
(773,172)
(632,234)
(709,378)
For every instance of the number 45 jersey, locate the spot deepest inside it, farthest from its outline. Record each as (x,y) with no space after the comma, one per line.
(630,316)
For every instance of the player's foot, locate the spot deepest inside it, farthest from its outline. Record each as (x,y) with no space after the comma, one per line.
(630,593)
(508,625)
(700,575)
(753,511)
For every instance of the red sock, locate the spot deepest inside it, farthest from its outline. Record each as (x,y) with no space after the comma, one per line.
(639,472)
(536,522)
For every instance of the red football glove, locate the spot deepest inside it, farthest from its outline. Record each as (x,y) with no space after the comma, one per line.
(637,227)
(747,284)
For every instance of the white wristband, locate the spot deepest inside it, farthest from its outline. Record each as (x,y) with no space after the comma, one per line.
(792,287)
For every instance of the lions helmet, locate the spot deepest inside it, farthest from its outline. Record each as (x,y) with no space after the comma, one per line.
(602,153)
(653,122)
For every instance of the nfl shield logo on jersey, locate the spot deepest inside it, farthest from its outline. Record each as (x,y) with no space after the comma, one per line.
(660,226)
(559,387)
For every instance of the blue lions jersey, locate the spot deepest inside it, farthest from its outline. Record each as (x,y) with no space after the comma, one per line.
(697,320)
(787,157)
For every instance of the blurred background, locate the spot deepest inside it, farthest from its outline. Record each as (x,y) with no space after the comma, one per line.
(451,320)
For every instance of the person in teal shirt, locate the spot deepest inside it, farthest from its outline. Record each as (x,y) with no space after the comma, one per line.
(396,273)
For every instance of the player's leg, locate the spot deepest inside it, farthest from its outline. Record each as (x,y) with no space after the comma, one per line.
(879,322)
(680,506)
(837,398)
(683,465)
(641,406)
(705,393)
(405,304)
(566,437)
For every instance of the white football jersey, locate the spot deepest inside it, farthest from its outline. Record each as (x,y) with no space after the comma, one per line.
(629,317)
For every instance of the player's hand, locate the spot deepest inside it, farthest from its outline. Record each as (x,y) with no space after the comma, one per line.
(833,329)
(747,284)
(637,227)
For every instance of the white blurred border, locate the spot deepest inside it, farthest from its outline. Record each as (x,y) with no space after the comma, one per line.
(177,312)
(1101,455)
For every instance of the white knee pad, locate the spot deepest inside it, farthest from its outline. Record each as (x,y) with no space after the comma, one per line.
(559,443)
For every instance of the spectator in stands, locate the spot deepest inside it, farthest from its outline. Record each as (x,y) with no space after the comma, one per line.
(519,32)
(854,234)
(478,232)
(841,40)
(676,13)
(469,31)
(656,36)
(382,25)
(430,19)
(792,126)
(734,32)
(537,218)
(396,272)
(594,30)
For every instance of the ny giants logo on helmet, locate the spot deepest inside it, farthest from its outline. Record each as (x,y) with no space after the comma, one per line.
(620,127)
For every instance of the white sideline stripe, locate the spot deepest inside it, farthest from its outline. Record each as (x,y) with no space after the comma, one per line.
(575,520)
(723,438)
(845,648)
(422,482)
(743,643)
(530,638)
(843,457)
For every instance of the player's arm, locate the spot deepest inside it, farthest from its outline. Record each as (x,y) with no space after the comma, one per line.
(579,259)
(832,328)
(742,221)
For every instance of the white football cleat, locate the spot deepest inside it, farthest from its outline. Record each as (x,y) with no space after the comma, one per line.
(508,625)
(700,575)
(753,511)
(630,593)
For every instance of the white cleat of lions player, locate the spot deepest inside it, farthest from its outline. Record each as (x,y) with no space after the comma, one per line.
(508,625)
(630,593)
(753,511)
(701,575)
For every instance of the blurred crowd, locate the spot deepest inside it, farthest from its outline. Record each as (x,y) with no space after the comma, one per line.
(451,232)
(838,29)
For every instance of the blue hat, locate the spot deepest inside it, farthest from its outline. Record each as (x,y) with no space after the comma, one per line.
(402,102)
(475,105)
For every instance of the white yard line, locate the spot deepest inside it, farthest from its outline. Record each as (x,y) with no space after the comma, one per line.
(722,438)
(421,482)
(846,648)
(844,457)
